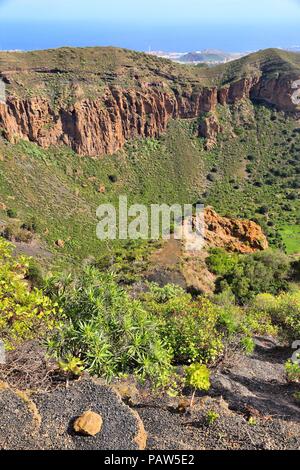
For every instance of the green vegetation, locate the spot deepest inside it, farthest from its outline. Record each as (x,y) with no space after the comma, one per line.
(108,331)
(291,238)
(220,262)
(90,322)
(292,371)
(111,334)
(56,72)
(212,417)
(87,311)
(270,61)
(60,190)
(68,73)
(284,311)
(198,378)
(56,192)
(245,276)
(257,174)
(25,313)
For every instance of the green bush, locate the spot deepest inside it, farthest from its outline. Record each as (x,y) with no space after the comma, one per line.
(108,331)
(34,274)
(292,371)
(11,213)
(189,326)
(283,310)
(25,313)
(249,275)
(112,334)
(197,376)
(220,262)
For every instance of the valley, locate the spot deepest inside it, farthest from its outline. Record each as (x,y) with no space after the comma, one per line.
(191,343)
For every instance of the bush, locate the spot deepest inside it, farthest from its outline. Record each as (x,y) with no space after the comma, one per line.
(292,371)
(197,377)
(11,213)
(248,276)
(190,327)
(31,225)
(14,233)
(108,331)
(283,310)
(25,313)
(220,262)
(110,334)
(113,178)
(34,274)
(212,417)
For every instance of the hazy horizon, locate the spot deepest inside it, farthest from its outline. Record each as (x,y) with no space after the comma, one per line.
(181,26)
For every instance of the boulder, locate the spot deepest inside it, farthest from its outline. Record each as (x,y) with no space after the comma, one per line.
(89,423)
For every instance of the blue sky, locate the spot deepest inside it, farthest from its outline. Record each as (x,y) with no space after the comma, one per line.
(160,24)
(154,10)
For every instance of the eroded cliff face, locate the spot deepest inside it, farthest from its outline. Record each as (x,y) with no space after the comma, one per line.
(103,125)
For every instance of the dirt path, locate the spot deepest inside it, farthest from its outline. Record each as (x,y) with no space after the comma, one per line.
(171,264)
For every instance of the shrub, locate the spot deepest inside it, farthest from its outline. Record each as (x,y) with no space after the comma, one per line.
(198,378)
(34,274)
(263,210)
(292,371)
(25,313)
(190,327)
(108,331)
(23,236)
(212,417)
(72,365)
(31,225)
(11,213)
(14,233)
(283,310)
(266,271)
(220,262)
(113,178)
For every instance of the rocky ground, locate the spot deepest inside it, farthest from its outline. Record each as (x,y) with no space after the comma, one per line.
(46,420)
(254,408)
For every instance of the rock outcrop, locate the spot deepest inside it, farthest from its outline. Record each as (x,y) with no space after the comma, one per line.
(237,235)
(174,264)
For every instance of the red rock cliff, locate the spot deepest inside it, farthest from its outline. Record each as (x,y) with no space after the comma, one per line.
(102,125)
(95,127)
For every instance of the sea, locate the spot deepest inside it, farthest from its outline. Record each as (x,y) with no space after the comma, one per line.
(24,35)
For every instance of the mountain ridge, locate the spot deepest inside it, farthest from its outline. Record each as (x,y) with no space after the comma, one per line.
(102,97)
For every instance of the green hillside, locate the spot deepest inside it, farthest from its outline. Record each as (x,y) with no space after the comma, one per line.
(254,175)
(52,72)
(252,172)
